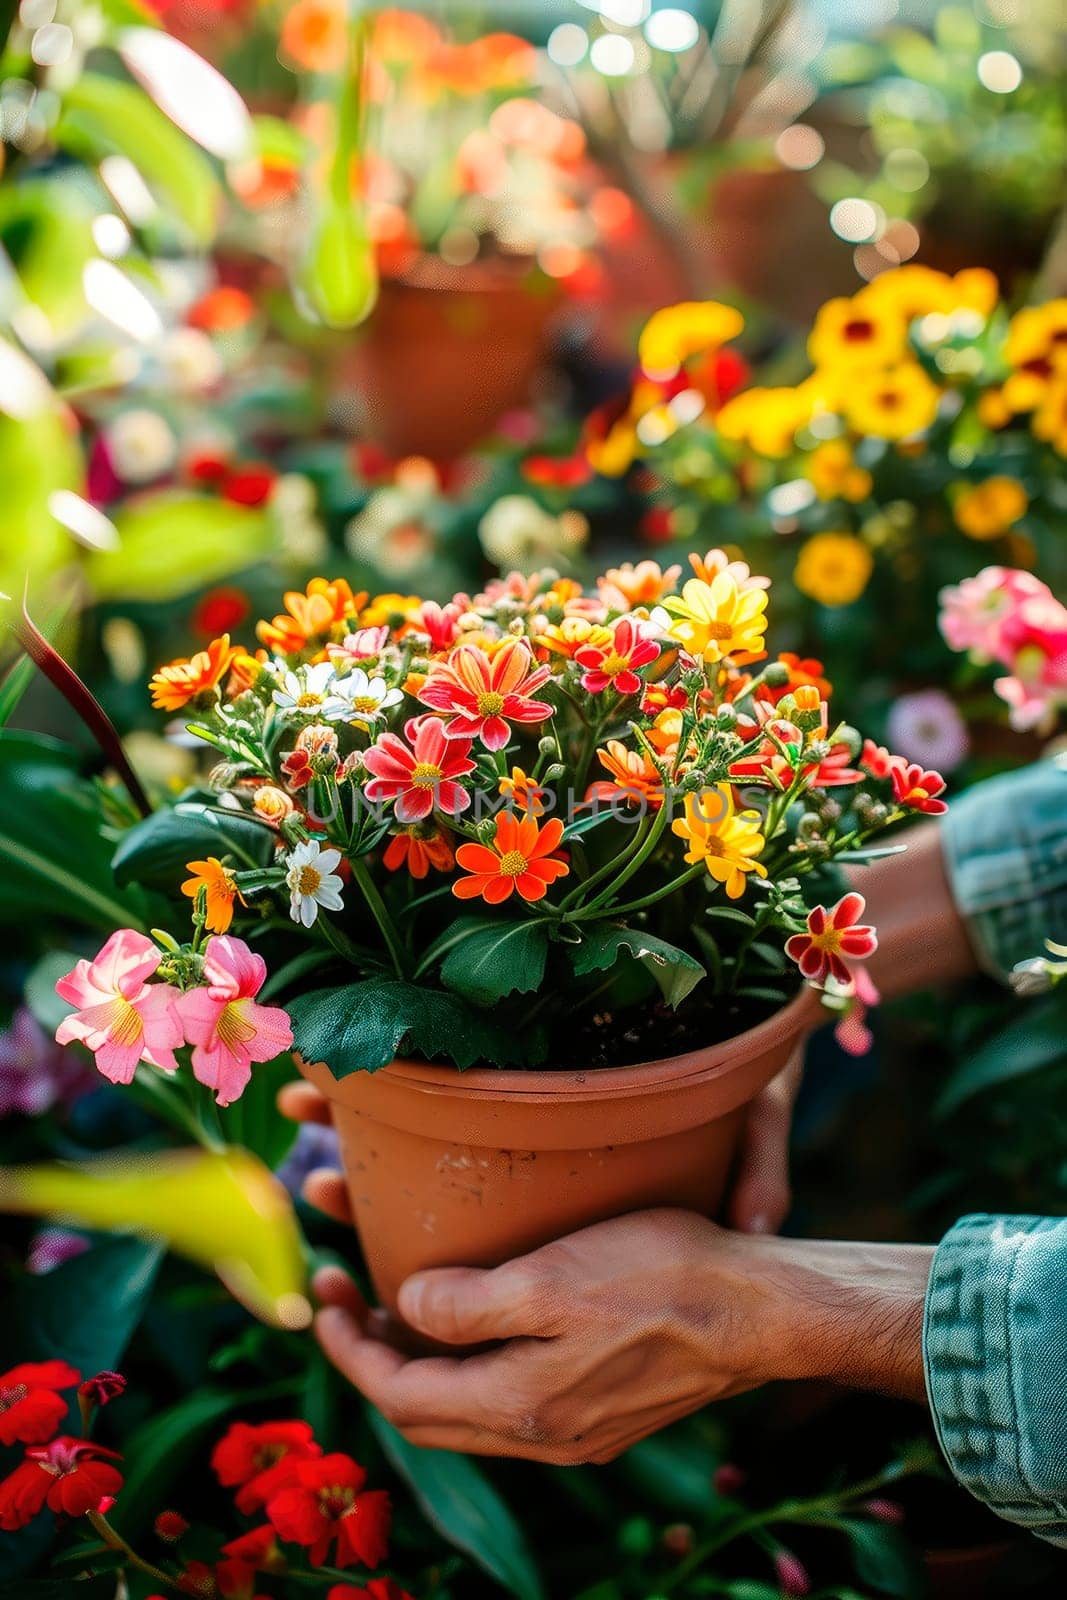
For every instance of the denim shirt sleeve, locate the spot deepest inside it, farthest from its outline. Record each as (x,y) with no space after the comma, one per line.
(995,1350)
(1005,846)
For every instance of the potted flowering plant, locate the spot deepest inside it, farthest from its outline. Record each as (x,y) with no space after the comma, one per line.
(566,842)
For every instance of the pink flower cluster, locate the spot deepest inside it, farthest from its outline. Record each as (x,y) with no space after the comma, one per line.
(124,1018)
(1012,618)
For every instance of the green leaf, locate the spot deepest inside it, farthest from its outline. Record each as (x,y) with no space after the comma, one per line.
(254,1122)
(1034,1040)
(85,1312)
(363,1026)
(884,1557)
(674,1469)
(54,859)
(39,990)
(157,850)
(98,1587)
(458,1500)
(676,972)
(162,1448)
(105,116)
(173,542)
(488,960)
(731,914)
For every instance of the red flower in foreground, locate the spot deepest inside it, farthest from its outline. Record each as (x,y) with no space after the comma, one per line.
(30,1408)
(69,1475)
(520,858)
(834,938)
(422,776)
(259,1460)
(376,1589)
(614,665)
(325,1504)
(917,790)
(484,694)
(876,760)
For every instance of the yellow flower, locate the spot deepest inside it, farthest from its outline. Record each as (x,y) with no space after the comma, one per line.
(726,841)
(892,404)
(766,420)
(718,619)
(993,409)
(525,795)
(220,889)
(1050,419)
(1037,340)
(989,509)
(392,611)
(834,475)
(917,291)
(833,568)
(862,331)
(573,633)
(674,334)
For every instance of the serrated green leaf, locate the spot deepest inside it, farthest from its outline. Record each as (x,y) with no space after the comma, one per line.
(157,850)
(676,972)
(488,959)
(363,1026)
(458,1500)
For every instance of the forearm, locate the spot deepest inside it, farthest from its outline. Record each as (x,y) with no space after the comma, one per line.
(923,941)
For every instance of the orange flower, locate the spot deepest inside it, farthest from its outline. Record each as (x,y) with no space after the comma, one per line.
(418,852)
(222,310)
(573,633)
(311,618)
(633,776)
(638,586)
(221,890)
(520,858)
(524,794)
(183,681)
(315,35)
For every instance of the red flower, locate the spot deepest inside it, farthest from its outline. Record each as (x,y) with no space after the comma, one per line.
(210,467)
(259,1460)
(657,525)
(69,1475)
(834,938)
(220,611)
(222,310)
(484,694)
(408,848)
(421,774)
(30,1408)
(250,486)
(375,1589)
(917,790)
(102,1389)
(439,623)
(170,1526)
(325,1504)
(613,665)
(258,1549)
(198,1579)
(556,472)
(876,760)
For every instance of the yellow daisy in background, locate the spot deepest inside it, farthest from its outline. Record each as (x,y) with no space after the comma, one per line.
(893,403)
(918,291)
(767,420)
(672,335)
(725,840)
(833,474)
(859,331)
(833,568)
(718,619)
(989,509)
(1050,418)
(1037,339)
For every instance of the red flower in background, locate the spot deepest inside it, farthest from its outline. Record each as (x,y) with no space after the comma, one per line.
(222,310)
(30,1406)
(556,472)
(251,485)
(326,1505)
(69,1475)
(375,1589)
(260,1459)
(220,611)
(170,1526)
(917,790)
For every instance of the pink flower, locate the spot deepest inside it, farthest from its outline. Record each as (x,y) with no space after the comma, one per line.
(360,645)
(917,790)
(484,694)
(834,938)
(1033,642)
(974,612)
(226,1028)
(792,1576)
(421,774)
(614,665)
(852,1032)
(440,624)
(121,1017)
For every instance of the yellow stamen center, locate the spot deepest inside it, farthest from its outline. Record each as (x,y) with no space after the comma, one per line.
(366,702)
(513,863)
(424,775)
(713,846)
(308,701)
(309,881)
(829,940)
(234,1028)
(490,704)
(719,630)
(614,664)
(126,1026)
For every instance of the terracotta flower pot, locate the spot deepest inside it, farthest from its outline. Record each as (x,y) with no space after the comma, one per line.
(448,1168)
(446,353)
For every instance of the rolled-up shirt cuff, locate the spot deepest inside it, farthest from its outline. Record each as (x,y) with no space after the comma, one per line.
(1005,847)
(995,1356)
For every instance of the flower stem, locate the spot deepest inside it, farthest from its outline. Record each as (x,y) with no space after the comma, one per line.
(595,912)
(114,1541)
(380,913)
(635,864)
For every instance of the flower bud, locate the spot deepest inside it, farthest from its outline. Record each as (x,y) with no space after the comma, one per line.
(170,1526)
(847,735)
(809,827)
(729,1479)
(547,746)
(829,810)
(486,829)
(272,805)
(103,1388)
(696,778)
(726,719)
(556,771)
(224,775)
(792,1576)
(776,675)
(679,1540)
(693,680)
(883,1510)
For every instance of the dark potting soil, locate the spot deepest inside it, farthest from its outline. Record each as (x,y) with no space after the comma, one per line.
(653,1032)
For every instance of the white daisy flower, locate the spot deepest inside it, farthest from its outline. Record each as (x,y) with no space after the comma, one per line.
(312,692)
(367,698)
(312,881)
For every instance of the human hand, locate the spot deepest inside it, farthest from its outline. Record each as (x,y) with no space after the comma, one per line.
(619,1329)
